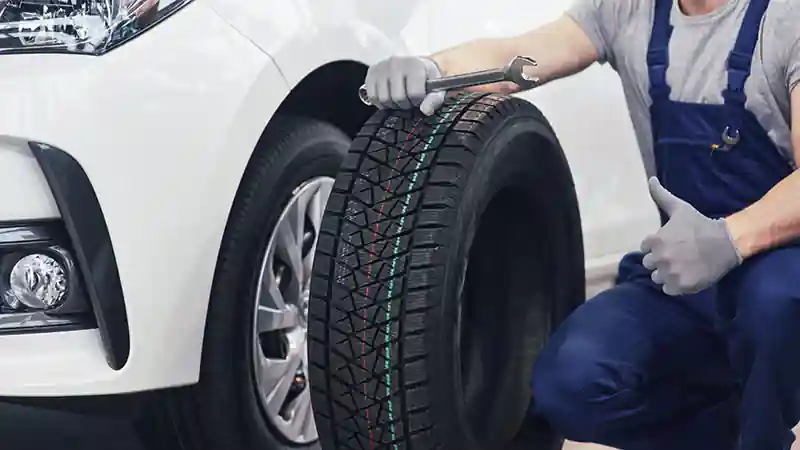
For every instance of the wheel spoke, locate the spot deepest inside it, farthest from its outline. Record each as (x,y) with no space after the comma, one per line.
(277,377)
(271,319)
(309,429)
(288,247)
(300,412)
(303,199)
(316,208)
(297,342)
(270,294)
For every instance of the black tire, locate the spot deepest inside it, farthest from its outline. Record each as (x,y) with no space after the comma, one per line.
(222,411)
(451,241)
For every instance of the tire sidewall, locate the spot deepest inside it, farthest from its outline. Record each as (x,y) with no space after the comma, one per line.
(504,155)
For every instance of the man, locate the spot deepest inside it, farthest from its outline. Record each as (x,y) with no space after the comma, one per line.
(698,346)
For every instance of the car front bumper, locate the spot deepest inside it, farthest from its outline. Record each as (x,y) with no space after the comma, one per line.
(162,129)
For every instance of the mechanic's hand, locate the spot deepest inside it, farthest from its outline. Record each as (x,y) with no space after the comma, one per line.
(399,83)
(690,252)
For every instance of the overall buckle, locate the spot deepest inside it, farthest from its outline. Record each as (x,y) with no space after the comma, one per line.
(740,61)
(730,137)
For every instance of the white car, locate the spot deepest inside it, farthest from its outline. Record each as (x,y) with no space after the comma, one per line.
(165,169)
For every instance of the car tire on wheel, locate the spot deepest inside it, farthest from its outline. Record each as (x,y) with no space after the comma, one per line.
(451,247)
(253,391)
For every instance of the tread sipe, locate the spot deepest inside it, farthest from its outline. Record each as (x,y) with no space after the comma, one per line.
(390,268)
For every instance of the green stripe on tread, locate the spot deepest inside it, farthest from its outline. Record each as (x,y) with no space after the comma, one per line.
(400,225)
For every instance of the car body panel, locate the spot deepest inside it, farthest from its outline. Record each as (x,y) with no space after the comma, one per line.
(302,35)
(26,195)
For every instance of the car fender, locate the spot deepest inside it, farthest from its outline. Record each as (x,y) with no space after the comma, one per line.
(303,35)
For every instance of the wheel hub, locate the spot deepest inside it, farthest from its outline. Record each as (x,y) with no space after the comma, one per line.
(280,349)
(303,309)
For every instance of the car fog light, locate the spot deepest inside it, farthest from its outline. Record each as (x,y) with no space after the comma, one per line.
(37,281)
(40,282)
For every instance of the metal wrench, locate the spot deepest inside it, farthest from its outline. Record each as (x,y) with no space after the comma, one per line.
(513,72)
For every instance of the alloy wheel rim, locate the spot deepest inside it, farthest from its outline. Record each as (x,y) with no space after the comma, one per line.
(280,362)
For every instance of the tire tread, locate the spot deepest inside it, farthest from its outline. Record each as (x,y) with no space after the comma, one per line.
(391,181)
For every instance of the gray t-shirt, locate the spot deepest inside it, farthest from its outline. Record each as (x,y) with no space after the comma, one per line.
(699,48)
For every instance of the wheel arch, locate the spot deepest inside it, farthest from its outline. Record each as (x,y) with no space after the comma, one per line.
(327,93)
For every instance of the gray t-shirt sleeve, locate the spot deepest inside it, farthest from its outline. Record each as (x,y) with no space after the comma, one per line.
(787,38)
(793,57)
(602,21)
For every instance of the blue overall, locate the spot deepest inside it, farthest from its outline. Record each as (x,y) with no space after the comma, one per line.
(636,369)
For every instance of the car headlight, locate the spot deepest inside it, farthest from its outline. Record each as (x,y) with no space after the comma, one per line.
(76,26)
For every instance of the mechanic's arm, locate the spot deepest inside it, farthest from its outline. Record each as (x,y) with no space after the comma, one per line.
(775,219)
(561,48)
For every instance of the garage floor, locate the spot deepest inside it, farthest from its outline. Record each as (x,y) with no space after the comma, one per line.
(576,446)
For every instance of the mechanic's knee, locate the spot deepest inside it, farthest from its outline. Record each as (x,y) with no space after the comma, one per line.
(769,318)
(768,302)
(574,390)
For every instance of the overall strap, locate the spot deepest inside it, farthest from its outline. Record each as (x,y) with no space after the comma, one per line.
(658,51)
(741,58)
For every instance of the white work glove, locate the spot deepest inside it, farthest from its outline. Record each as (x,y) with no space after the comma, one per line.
(399,83)
(691,252)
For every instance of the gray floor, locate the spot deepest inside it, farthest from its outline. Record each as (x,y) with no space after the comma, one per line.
(23,428)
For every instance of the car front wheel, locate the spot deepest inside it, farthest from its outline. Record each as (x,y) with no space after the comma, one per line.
(253,391)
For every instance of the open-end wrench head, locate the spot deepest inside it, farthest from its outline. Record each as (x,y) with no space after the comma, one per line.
(515,72)
(363,96)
